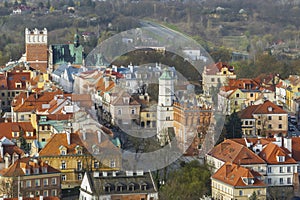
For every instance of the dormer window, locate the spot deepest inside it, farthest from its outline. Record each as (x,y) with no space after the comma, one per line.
(143,186)
(248,181)
(280,158)
(131,187)
(27,171)
(107,187)
(15,134)
(270,109)
(63,150)
(29,134)
(78,150)
(44,170)
(36,170)
(126,100)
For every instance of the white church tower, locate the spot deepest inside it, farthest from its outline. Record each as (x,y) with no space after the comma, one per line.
(165,106)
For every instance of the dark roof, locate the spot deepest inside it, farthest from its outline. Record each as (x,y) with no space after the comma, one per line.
(99,183)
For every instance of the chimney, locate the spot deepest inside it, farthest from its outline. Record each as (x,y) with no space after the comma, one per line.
(228,169)
(7,161)
(287,143)
(84,134)
(1,150)
(68,137)
(99,136)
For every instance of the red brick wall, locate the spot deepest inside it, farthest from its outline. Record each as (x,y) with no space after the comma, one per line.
(36,52)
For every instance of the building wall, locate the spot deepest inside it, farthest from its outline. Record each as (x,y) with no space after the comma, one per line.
(265,125)
(224,191)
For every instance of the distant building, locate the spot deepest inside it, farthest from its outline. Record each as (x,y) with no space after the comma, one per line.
(232,181)
(36,43)
(72,53)
(266,119)
(118,185)
(34,177)
(216,75)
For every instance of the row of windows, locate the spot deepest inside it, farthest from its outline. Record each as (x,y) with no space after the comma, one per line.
(79,164)
(287,169)
(37,182)
(45,193)
(9,94)
(133,111)
(281,181)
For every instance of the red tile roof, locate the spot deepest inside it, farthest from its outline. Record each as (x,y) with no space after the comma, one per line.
(8,127)
(233,175)
(16,169)
(58,140)
(270,153)
(231,151)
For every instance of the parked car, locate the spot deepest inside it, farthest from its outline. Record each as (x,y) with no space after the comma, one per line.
(291,128)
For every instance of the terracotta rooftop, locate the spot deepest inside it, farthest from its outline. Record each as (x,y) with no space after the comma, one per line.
(17,169)
(8,127)
(270,153)
(52,148)
(231,151)
(233,175)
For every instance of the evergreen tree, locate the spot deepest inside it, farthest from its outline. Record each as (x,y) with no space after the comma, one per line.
(6,4)
(233,126)
(253,196)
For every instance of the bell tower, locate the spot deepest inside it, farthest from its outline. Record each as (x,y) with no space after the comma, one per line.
(165,105)
(37,49)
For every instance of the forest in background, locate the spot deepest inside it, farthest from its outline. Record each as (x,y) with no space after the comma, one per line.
(221,27)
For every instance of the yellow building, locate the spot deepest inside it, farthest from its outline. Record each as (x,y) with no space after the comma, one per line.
(74,153)
(232,181)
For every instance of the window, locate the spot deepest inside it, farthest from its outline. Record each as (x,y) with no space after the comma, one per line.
(212,79)
(28,183)
(133,111)
(288,169)
(3,94)
(79,165)
(63,152)
(36,170)
(281,181)
(269,126)
(45,182)
(280,117)
(251,95)
(281,169)
(237,95)
(63,165)
(37,182)
(27,171)
(148,115)
(63,177)
(112,163)
(235,103)
(96,164)
(289,180)
(269,117)
(79,176)
(269,181)
(241,192)
(119,112)
(53,181)
(45,193)
(54,193)
(269,169)
(246,122)
(280,126)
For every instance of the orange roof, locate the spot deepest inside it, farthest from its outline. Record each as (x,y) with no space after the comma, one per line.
(217,67)
(58,140)
(8,127)
(270,153)
(15,77)
(16,169)
(233,175)
(265,108)
(231,151)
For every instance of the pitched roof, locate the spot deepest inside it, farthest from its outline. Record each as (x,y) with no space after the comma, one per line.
(8,127)
(270,152)
(99,183)
(231,151)
(19,166)
(233,175)
(52,147)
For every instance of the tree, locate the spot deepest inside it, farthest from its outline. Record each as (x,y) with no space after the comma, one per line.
(6,4)
(233,126)
(48,5)
(189,182)
(253,196)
